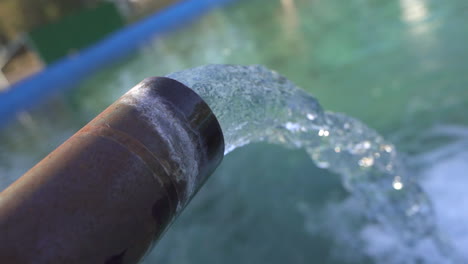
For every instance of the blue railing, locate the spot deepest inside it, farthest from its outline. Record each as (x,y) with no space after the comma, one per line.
(68,71)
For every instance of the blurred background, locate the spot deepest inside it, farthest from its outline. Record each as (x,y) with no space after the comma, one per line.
(399,66)
(34,34)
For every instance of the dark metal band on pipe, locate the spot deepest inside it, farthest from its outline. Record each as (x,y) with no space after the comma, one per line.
(110,191)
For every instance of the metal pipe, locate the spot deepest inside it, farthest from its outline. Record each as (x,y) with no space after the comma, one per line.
(110,191)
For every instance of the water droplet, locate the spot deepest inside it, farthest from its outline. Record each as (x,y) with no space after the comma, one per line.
(311,116)
(397,184)
(366,145)
(387,148)
(323,133)
(366,162)
(294,127)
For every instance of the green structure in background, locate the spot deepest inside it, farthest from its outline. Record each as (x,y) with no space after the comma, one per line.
(75,32)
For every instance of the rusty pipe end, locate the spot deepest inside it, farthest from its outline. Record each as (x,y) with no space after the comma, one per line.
(184,122)
(191,108)
(112,189)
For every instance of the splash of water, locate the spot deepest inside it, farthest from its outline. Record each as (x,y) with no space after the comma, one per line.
(255,104)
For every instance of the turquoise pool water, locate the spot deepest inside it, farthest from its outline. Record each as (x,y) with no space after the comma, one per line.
(399,66)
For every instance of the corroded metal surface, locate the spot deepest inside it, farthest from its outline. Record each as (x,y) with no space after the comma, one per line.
(109,192)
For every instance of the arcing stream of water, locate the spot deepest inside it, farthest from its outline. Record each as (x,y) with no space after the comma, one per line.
(255,104)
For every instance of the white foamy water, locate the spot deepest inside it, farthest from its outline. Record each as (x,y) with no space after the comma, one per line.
(446,182)
(444,177)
